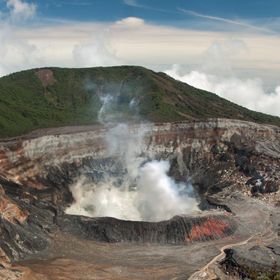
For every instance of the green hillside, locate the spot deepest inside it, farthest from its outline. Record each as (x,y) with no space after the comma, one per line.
(50,97)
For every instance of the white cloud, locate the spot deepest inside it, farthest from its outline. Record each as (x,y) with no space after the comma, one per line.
(96,50)
(246,92)
(16,53)
(94,54)
(20,10)
(220,56)
(130,22)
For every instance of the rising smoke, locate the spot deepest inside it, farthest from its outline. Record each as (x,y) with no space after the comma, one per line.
(143,191)
(155,196)
(106,101)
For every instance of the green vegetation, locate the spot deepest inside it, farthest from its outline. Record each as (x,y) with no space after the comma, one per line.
(51,97)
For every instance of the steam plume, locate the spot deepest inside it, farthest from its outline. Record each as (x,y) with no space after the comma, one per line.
(142,190)
(146,191)
(156,196)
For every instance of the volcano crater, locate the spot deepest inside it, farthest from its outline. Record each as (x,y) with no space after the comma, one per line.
(218,157)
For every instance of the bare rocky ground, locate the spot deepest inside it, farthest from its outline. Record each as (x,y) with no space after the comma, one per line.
(234,166)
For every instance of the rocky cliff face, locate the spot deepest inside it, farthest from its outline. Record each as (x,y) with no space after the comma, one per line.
(224,159)
(29,159)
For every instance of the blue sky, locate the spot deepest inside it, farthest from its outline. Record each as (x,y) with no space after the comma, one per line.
(153,10)
(258,12)
(230,47)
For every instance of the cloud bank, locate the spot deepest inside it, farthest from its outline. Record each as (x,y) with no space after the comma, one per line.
(129,40)
(249,93)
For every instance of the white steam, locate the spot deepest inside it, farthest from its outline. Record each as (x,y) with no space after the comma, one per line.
(143,192)
(156,196)
(126,143)
(102,200)
(106,101)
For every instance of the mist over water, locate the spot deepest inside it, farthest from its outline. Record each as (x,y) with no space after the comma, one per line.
(142,191)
